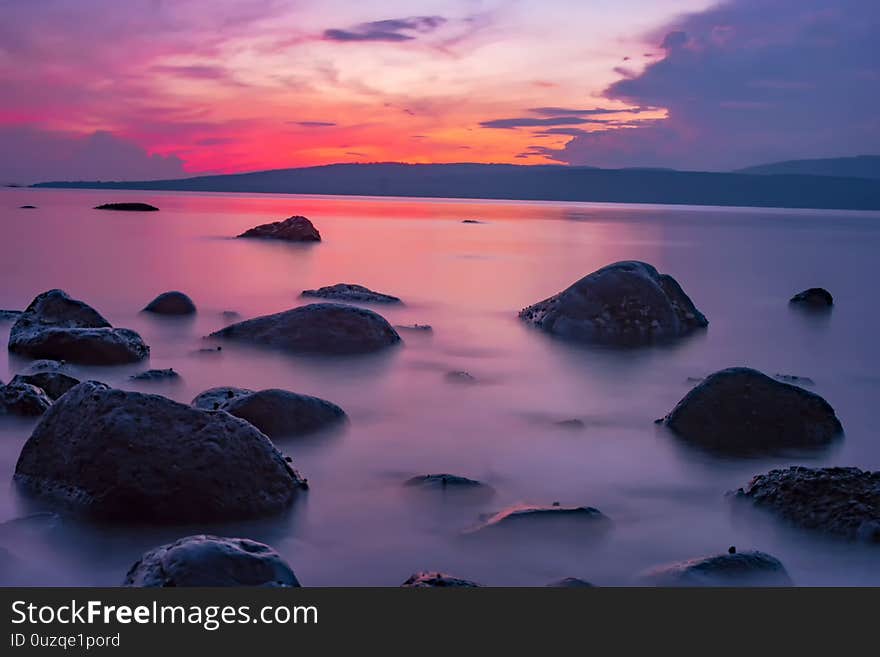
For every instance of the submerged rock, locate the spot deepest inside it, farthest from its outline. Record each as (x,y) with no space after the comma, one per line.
(128,207)
(171,303)
(433,579)
(839,501)
(57,327)
(573,423)
(460,376)
(425,328)
(540,521)
(276,412)
(626,302)
(211,561)
(130,457)
(325,328)
(213,399)
(444,482)
(292,229)
(156,375)
(741,410)
(570,583)
(350,292)
(48,375)
(27,207)
(815,297)
(750,568)
(23,399)
(472,221)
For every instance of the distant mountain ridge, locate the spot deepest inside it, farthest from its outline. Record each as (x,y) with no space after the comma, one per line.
(542,182)
(860,166)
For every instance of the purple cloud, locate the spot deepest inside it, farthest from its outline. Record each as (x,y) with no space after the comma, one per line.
(391,30)
(529,122)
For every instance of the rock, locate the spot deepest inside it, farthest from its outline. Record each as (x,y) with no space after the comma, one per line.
(292,229)
(750,568)
(156,375)
(626,302)
(211,561)
(48,375)
(425,328)
(432,580)
(795,380)
(9,315)
(460,377)
(573,423)
(280,413)
(471,221)
(171,303)
(28,207)
(325,328)
(128,207)
(740,411)
(56,327)
(570,583)
(213,351)
(214,398)
(129,457)
(839,501)
(443,482)
(23,399)
(538,520)
(815,297)
(350,292)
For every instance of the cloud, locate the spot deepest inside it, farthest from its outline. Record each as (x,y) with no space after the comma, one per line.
(313,124)
(593,111)
(390,30)
(750,81)
(530,122)
(194,72)
(33,155)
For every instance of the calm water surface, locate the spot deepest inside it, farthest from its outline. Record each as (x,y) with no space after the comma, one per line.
(357,525)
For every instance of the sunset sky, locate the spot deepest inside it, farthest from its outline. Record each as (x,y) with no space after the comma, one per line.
(166,88)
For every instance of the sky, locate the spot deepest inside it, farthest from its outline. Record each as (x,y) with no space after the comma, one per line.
(145,89)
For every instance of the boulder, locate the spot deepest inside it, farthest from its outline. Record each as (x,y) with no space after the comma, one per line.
(128,207)
(432,580)
(211,561)
(123,456)
(171,303)
(750,568)
(626,303)
(541,521)
(292,229)
(23,399)
(213,399)
(325,328)
(156,375)
(741,411)
(838,501)
(48,375)
(277,413)
(350,292)
(57,327)
(815,297)
(570,583)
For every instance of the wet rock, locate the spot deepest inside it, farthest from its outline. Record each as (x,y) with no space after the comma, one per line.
(292,229)
(741,411)
(749,568)
(443,482)
(55,326)
(626,302)
(570,583)
(540,521)
(48,375)
(350,292)
(28,207)
(128,207)
(9,315)
(23,399)
(815,297)
(325,328)
(460,377)
(211,561)
(838,501)
(124,456)
(171,303)
(471,221)
(213,399)
(279,413)
(424,328)
(794,380)
(156,375)
(433,579)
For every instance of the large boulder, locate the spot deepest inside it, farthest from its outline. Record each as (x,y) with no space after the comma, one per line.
(277,413)
(130,457)
(48,375)
(213,399)
(750,568)
(741,410)
(325,328)
(23,399)
(292,229)
(626,302)
(211,561)
(814,297)
(838,501)
(57,327)
(350,292)
(171,303)
(433,580)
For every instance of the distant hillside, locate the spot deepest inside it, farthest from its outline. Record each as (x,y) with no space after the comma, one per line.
(862,166)
(550,183)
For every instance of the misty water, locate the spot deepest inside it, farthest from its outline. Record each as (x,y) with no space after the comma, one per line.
(358,525)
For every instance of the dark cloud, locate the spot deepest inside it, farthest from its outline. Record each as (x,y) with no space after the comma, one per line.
(530,122)
(593,111)
(391,30)
(750,81)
